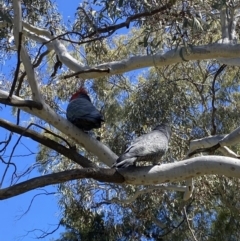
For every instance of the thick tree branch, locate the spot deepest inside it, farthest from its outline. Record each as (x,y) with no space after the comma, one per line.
(231,139)
(17,27)
(149,175)
(90,144)
(99,174)
(233,24)
(211,51)
(182,170)
(69,153)
(217,142)
(37,62)
(204,143)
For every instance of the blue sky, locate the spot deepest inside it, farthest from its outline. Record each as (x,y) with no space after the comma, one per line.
(44,211)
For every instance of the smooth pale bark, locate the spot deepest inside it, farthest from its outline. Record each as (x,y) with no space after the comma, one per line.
(182,170)
(92,145)
(205,142)
(17,27)
(46,113)
(171,172)
(228,152)
(232,138)
(211,51)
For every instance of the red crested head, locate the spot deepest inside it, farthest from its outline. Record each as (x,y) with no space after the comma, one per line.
(80,91)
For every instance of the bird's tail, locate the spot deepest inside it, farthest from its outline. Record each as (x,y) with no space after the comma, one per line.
(125,160)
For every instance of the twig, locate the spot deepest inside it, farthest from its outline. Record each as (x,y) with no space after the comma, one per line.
(70,153)
(214,109)
(18,66)
(31,202)
(189,227)
(5,171)
(52,133)
(44,233)
(189,189)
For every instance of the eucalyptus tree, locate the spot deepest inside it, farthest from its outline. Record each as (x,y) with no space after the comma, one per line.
(143,62)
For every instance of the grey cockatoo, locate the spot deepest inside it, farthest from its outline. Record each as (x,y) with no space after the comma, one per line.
(149,147)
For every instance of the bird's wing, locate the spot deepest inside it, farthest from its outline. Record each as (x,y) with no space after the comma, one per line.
(147,144)
(82,109)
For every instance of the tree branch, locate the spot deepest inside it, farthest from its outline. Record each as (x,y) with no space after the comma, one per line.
(205,142)
(100,174)
(211,51)
(182,170)
(17,67)
(228,152)
(72,154)
(148,175)
(89,143)
(224,23)
(36,62)
(32,200)
(21,103)
(87,71)
(214,109)
(231,139)
(188,189)
(17,27)
(209,149)
(130,19)
(188,223)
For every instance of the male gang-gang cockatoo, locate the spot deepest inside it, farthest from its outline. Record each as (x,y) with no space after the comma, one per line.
(82,113)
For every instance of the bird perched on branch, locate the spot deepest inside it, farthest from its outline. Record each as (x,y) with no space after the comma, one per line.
(149,147)
(82,113)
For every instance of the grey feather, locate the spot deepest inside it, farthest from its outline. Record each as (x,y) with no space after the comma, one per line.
(149,147)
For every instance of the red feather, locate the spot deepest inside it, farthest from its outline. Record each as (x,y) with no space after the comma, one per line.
(82,90)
